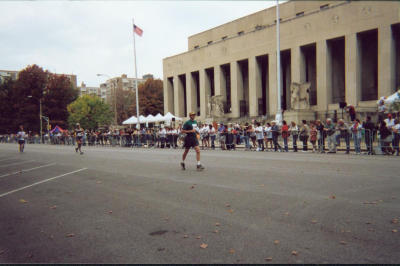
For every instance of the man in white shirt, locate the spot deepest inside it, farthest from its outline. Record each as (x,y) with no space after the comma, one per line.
(260,137)
(21,135)
(396,139)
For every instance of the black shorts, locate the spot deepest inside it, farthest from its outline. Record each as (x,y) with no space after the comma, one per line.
(21,141)
(190,142)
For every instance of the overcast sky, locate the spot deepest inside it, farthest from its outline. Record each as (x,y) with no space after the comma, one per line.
(89,37)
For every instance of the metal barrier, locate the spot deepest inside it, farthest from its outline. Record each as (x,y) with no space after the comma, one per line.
(337,140)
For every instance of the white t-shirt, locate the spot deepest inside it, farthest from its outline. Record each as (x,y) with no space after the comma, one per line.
(389,123)
(397,127)
(21,135)
(212,131)
(268,132)
(259,132)
(162,133)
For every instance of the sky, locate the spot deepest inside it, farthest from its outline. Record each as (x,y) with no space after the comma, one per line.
(86,38)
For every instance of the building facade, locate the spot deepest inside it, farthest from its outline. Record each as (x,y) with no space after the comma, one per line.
(109,88)
(8,74)
(345,51)
(84,90)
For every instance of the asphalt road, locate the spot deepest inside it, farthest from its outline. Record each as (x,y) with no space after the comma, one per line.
(118,205)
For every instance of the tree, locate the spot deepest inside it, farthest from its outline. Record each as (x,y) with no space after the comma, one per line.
(58,94)
(8,100)
(124,100)
(90,111)
(151,99)
(29,90)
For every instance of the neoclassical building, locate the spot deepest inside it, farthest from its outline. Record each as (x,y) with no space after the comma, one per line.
(345,51)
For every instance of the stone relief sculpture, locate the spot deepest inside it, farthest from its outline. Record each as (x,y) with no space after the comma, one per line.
(300,96)
(216,106)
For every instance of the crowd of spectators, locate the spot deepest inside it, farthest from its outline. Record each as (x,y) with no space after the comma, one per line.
(318,136)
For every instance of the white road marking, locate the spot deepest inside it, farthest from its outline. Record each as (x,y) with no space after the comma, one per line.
(17,163)
(27,170)
(40,182)
(7,159)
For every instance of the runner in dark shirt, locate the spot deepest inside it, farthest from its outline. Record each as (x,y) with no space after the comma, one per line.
(191,129)
(79,137)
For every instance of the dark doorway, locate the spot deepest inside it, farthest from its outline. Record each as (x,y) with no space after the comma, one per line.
(210,76)
(182,80)
(286,79)
(310,63)
(368,45)
(244,71)
(396,39)
(336,48)
(262,64)
(226,71)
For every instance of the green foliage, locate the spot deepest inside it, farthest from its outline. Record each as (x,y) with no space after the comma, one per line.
(151,98)
(90,111)
(19,100)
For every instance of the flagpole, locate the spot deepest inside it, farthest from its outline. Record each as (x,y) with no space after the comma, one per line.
(135,81)
(278,115)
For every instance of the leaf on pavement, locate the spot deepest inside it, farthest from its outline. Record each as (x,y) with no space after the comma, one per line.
(295,253)
(232,251)
(215,231)
(227,205)
(332,197)
(203,245)
(394,230)
(192,187)
(109,212)
(53,207)
(287,213)
(185,236)
(217,224)
(198,237)
(395,221)
(343,242)
(70,235)
(99,182)
(368,223)
(268,259)
(313,221)
(276,242)
(23,201)
(230,211)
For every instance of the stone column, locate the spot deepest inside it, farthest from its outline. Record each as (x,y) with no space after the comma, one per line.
(205,92)
(273,90)
(178,97)
(254,86)
(220,83)
(298,66)
(386,62)
(352,69)
(324,83)
(236,89)
(168,96)
(191,96)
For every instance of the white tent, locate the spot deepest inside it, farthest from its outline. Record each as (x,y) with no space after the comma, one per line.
(151,119)
(169,116)
(159,117)
(130,120)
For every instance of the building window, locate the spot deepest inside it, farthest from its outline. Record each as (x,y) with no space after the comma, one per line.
(224,37)
(240,32)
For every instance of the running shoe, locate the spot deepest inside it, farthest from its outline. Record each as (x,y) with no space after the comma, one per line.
(183,166)
(200,167)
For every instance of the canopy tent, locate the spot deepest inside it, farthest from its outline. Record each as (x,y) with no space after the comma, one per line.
(130,120)
(169,116)
(151,119)
(57,129)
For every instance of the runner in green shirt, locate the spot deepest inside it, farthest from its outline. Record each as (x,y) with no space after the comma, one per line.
(190,128)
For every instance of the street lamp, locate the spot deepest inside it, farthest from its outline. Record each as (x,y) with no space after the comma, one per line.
(115,97)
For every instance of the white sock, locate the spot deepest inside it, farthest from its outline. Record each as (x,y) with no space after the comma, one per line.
(198,163)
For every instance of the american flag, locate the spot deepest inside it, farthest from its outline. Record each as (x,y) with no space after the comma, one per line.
(137,30)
